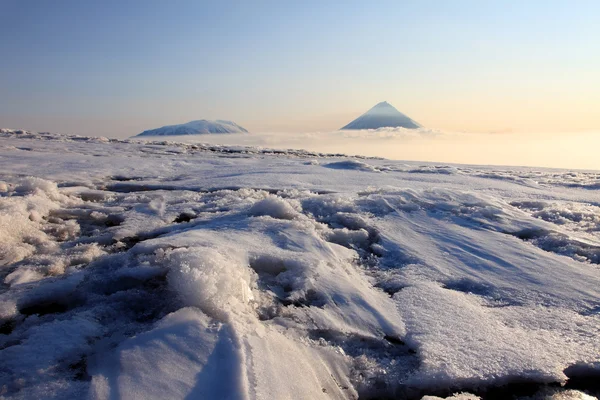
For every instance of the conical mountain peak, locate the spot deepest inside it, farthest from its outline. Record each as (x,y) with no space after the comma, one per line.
(382,115)
(383,104)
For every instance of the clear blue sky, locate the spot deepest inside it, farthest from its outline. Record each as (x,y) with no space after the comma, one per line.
(117,67)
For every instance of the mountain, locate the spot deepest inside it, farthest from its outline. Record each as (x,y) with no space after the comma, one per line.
(380,116)
(198,127)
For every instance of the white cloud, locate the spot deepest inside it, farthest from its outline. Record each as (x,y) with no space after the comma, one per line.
(568,150)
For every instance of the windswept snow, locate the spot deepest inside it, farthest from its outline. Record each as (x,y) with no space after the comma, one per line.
(352,165)
(158,270)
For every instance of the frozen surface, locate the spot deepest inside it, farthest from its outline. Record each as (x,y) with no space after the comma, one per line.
(158,270)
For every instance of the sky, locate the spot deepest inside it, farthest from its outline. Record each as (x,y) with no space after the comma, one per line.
(116,68)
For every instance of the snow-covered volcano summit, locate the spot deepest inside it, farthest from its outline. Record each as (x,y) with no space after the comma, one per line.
(380,116)
(198,127)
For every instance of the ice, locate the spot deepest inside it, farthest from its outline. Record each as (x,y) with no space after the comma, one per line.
(185,355)
(21,215)
(22,275)
(171,270)
(216,280)
(352,165)
(32,361)
(274,207)
(486,350)
(577,216)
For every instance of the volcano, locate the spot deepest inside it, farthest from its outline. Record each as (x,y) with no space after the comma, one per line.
(383,115)
(198,127)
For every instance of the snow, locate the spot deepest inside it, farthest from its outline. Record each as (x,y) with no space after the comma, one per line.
(184,347)
(195,128)
(352,165)
(166,270)
(275,207)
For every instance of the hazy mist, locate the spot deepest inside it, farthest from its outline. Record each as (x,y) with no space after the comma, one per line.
(572,150)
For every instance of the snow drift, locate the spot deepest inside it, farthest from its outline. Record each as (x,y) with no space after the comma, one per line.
(161,270)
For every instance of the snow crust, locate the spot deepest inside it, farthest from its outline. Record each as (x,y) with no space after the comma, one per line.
(160,270)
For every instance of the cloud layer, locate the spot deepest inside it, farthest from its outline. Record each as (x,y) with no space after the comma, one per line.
(567,150)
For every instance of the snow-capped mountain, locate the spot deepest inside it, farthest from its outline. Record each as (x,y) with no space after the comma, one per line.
(202,126)
(381,116)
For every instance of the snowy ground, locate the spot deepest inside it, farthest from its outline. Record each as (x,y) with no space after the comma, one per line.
(162,270)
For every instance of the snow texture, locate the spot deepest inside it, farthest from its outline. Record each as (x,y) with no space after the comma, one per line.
(153,270)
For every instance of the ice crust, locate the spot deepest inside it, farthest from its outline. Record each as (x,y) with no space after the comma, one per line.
(159,270)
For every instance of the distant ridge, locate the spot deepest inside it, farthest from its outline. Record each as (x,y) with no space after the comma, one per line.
(198,127)
(383,115)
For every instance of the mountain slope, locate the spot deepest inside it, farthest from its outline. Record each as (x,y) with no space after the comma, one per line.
(380,116)
(198,127)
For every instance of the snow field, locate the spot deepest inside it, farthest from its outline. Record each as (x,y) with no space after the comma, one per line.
(165,271)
